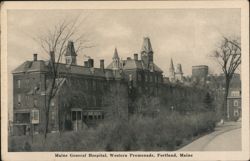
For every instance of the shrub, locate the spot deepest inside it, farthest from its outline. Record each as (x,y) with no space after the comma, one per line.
(167,131)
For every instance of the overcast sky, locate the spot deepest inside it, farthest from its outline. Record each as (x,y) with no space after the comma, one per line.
(187,36)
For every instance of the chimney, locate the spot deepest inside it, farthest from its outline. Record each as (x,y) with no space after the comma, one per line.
(91,63)
(35,57)
(52,56)
(135,56)
(86,64)
(102,64)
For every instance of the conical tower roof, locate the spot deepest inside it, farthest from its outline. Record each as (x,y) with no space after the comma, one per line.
(146,46)
(70,49)
(171,65)
(115,56)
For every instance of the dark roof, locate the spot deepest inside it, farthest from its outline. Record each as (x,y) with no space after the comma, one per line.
(138,64)
(31,66)
(43,66)
(110,66)
(134,64)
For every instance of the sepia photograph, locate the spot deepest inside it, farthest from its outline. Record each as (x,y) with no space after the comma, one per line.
(135,81)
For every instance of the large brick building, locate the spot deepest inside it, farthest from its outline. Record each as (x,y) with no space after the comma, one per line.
(85,94)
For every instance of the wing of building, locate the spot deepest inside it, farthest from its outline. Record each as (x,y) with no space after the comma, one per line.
(84,95)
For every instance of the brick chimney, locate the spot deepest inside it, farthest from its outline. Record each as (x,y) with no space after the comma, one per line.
(102,64)
(135,56)
(35,57)
(91,63)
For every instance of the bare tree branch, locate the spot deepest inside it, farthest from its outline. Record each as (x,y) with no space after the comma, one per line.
(55,40)
(228,56)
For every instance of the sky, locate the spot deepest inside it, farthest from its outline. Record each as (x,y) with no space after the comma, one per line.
(188,36)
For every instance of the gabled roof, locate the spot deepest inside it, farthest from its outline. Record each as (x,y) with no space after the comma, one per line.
(43,66)
(156,68)
(138,64)
(133,64)
(31,66)
(110,66)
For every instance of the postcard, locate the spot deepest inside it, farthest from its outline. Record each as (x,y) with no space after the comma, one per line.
(125,80)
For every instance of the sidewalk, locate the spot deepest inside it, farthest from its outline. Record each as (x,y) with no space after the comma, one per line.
(202,143)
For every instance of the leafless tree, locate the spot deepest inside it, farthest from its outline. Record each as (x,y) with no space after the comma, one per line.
(54,43)
(228,56)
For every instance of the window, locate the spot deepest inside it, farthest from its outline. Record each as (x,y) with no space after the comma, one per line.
(146,78)
(236,103)
(19,98)
(94,85)
(26,99)
(235,93)
(35,102)
(130,77)
(140,89)
(27,82)
(86,84)
(18,83)
(35,116)
(236,112)
(52,103)
(79,115)
(53,115)
(151,78)
(73,115)
(139,77)
(94,100)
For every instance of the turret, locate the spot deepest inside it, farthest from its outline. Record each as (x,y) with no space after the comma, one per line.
(147,52)
(179,73)
(171,71)
(70,56)
(116,60)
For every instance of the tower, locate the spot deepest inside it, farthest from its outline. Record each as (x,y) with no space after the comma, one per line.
(179,73)
(147,53)
(70,56)
(116,60)
(171,71)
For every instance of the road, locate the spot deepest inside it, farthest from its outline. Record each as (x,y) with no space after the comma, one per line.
(226,137)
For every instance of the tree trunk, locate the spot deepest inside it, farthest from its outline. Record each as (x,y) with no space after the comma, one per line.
(47,118)
(224,107)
